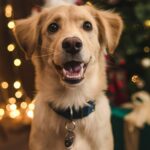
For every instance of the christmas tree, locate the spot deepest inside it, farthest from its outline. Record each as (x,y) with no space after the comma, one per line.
(133,52)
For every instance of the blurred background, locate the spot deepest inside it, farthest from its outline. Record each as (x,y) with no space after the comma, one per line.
(128,75)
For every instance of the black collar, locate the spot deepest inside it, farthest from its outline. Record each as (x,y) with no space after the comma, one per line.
(73,114)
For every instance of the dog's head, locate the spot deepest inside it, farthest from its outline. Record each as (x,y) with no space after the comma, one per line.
(69,39)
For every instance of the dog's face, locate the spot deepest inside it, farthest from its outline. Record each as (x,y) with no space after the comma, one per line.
(69,39)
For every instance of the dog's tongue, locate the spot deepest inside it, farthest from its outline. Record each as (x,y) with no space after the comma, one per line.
(73,67)
(73,70)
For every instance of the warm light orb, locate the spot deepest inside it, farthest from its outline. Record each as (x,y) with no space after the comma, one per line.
(11,107)
(17,62)
(31,106)
(11,24)
(12,100)
(17,84)
(18,94)
(23,105)
(135,78)
(30,113)
(146,49)
(4,85)
(14,114)
(2,112)
(8,11)
(147,23)
(145,62)
(11,47)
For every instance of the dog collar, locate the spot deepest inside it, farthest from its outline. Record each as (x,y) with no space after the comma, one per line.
(72,114)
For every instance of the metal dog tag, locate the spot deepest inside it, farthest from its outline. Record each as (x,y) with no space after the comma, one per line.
(70,135)
(69,139)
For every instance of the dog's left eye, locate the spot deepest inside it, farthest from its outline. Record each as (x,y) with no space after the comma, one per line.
(53,27)
(87,26)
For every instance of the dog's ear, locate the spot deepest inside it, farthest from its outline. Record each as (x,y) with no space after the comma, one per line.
(110,27)
(27,33)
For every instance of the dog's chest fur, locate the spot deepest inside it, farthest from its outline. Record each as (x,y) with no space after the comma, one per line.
(92,133)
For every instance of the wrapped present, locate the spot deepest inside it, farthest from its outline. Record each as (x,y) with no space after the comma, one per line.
(124,138)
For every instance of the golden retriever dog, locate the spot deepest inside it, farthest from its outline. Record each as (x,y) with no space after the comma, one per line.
(67,45)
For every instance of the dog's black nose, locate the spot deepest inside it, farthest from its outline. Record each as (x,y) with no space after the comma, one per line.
(72,45)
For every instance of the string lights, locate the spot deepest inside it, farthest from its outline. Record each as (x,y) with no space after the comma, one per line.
(8,11)
(147,23)
(11,24)
(11,47)
(4,85)
(14,108)
(2,113)
(145,62)
(12,100)
(24,111)
(17,62)
(17,84)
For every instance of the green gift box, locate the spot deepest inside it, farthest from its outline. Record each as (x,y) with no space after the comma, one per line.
(118,124)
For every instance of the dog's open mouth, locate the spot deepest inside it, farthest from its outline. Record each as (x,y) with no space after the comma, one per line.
(72,72)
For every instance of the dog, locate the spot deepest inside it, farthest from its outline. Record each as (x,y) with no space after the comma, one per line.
(67,45)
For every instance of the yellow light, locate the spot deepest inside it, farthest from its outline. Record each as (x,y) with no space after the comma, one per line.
(11,24)
(11,107)
(135,79)
(18,94)
(30,113)
(4,85)
(146,62)
(31,106)
(2,112)
(23,105)
(12,100)
(11,47)
(147,23)
(146,49)
(17,62)
(17,84)
(14,114)
(8,11)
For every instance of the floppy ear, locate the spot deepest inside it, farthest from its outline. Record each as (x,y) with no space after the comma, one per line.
(110,28)
(27,33)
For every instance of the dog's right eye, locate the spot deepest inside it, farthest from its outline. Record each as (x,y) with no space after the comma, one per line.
(53,27)
(87,26)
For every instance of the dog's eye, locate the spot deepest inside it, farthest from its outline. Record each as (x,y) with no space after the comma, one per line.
(87,26)
(53,27)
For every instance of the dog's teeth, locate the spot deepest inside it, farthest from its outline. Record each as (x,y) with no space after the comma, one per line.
(71,75)
(82,65)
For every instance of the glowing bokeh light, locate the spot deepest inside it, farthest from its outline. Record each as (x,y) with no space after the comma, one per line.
(17,84)
(4,85)
(11,24)
(18,94)
(11,47)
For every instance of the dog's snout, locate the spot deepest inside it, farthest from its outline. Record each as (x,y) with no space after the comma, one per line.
(72,45)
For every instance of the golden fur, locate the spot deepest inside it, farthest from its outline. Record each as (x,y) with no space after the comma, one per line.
(48,128)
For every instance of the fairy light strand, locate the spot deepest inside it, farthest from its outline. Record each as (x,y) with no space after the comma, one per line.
(15,109)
